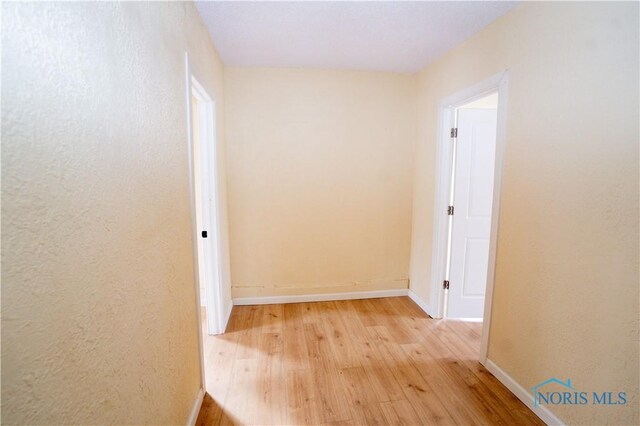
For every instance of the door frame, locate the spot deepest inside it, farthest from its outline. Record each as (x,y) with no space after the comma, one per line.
(207,135)
(444,157)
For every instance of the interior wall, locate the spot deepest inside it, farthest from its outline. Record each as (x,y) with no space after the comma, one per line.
(566,289)
(320,179)
(98,295)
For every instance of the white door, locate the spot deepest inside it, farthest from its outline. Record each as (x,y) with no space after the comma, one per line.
(203,170)
(473,198)
(198,180)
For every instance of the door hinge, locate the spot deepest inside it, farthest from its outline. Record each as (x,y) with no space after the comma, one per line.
(450,210)
(445,284)
(454,132)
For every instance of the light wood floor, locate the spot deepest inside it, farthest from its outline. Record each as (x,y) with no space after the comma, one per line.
(357,362)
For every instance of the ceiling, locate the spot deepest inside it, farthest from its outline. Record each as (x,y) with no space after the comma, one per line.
(383,36)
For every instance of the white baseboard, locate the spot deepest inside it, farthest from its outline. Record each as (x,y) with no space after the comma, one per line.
(195,410)
(421,303)
(541,411)
(270,300)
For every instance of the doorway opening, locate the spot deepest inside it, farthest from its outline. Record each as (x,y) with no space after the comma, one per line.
(205,216)
(471,196)
(468,185)
(203,174)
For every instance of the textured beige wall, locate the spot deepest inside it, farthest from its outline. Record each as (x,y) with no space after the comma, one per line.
(566,291)
(320,176)
(98,306)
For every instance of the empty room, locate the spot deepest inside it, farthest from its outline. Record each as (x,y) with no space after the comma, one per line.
(320,213)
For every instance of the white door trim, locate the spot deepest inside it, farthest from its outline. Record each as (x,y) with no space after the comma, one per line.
(213,286)
(208,150)
(446,113)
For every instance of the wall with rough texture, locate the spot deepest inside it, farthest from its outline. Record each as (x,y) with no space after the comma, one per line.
(320,176)
(566,290)
(98,297)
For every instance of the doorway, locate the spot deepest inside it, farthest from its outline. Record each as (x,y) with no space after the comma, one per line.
(474,147)
(205,204)
(467,200)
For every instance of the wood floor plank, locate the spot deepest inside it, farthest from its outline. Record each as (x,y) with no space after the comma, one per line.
(368,414)
(368,316)
(363,401)
(352,322)
(415,324)
(409,307)
(240,405)
(302,402)
(356,383)
(250,332)
(381,378)
(422,396)
(356,362)
(330,391)
(464,366)
(310,313)
(271,383)
(475,327)
(295,348)
(392,319)
(400,412)
(345,353)
(221,353)
(462,379)
(463,408)
(463,370)
(210,412)
(273,319)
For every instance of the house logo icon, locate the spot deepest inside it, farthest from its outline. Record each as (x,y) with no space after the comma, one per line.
(536,394)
